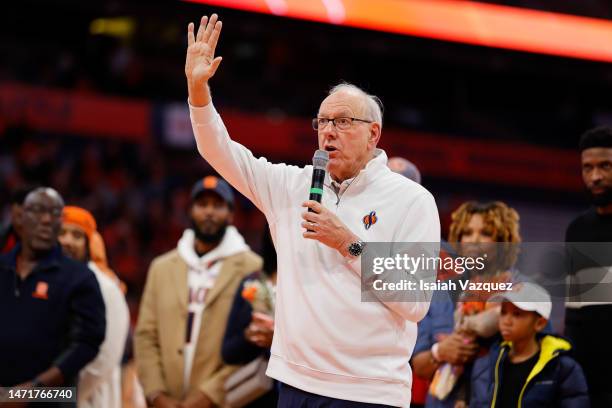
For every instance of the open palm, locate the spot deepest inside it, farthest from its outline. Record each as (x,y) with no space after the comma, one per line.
(201,64)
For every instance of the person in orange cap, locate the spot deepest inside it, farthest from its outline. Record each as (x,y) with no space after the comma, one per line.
(94,250)
(100,381)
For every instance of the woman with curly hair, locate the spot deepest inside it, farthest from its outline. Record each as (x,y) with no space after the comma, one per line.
(476,226)
(455,331)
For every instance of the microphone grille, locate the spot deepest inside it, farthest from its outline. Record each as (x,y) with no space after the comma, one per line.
(320,159)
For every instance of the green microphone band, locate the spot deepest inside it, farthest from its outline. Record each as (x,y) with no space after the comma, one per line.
(316,190)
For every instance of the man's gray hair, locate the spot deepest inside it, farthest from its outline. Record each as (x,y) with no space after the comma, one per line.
(373,104)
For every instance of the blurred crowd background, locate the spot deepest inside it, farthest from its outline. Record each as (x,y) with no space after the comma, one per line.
(481,123)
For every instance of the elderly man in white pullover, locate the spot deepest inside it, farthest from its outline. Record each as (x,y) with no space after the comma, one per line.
(329,348)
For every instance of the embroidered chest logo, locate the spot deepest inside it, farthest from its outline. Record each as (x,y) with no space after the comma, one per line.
(41,291)
(369,220)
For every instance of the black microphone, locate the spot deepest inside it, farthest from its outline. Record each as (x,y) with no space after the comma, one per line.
(319,164)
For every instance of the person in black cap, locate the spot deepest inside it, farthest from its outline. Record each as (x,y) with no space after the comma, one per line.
(186,303)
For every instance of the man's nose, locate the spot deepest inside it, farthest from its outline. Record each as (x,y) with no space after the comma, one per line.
(46,217)
(596,176)
(326,136)
(209,209)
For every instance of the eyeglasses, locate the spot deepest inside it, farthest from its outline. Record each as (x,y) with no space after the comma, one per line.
(39,210)
(339,123)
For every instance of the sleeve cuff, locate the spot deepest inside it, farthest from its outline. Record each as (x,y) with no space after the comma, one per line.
(203,114)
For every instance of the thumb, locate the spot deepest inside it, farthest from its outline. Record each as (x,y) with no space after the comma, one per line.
(215,64)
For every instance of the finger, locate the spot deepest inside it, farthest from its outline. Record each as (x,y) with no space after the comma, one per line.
(312,217)
(215,64)
(202,28)
(310,235)
(214,38)
(264,332)
(313,205)
(472,346)
(253,328)
(310,226)
(209,28)
(259,327)
(467,351)
(190,37)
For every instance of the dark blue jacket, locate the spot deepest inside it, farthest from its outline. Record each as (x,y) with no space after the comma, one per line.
(438,321)
(555,381)
(236,349)
(55,317)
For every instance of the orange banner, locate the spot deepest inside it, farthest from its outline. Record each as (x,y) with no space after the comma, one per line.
(453,20)
(71,112)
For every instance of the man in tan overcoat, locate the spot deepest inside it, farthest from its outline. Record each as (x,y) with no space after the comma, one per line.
(186,303)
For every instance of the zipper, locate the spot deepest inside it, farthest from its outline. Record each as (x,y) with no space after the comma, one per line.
(16,282)
(494,400)
(345,190)
(520,398)
(531,377)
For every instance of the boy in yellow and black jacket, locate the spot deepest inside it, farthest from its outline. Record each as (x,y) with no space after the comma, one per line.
(527,369)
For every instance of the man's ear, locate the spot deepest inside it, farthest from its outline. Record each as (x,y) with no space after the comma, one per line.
(375,132)
(230,216)
(17,217)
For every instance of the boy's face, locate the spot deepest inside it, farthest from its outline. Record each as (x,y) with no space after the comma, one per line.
(516,324)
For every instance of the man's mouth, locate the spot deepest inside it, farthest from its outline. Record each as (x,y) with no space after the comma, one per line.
(333,151)
(45,234)
(208,226)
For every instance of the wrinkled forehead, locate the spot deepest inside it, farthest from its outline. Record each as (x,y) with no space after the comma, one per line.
(343,103)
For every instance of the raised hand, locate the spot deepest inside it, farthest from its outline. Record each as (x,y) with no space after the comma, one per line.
(200,63)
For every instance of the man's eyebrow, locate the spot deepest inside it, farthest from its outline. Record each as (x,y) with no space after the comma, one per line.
(339,114)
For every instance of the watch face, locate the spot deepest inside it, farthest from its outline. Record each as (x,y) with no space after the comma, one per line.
(355,248)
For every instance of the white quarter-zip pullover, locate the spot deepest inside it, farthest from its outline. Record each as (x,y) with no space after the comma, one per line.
(326,340)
